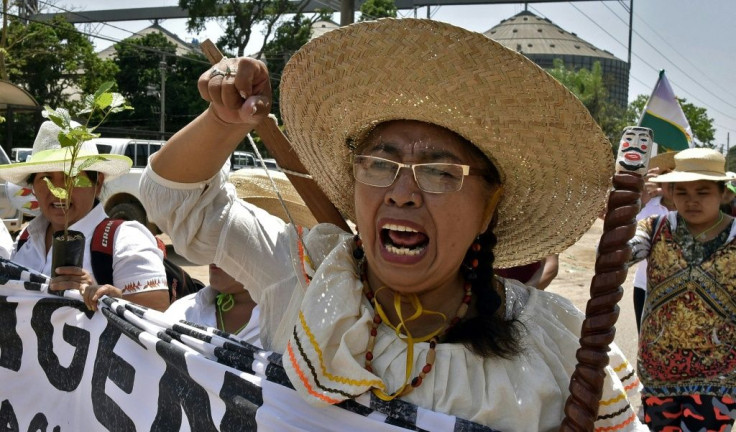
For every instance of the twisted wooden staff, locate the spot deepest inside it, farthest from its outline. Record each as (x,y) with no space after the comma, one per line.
(601,313)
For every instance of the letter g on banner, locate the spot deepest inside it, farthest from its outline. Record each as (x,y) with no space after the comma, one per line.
(63,378)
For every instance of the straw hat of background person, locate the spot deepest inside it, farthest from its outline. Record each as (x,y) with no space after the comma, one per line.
(555,162)
(695,164)
(254,186)
(664,161)
(49,156)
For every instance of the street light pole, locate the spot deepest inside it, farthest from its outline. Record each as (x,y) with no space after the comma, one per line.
(162,68)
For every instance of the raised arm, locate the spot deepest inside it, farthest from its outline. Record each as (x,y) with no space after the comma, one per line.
(239,92)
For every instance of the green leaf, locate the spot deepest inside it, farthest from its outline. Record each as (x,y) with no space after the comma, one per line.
(104,88)
(67,140)
(89,161)
(118,100)
(58,192)
(56,116)
(82,181)
(103,101)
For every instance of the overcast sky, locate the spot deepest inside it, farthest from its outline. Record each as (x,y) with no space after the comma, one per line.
(693,41)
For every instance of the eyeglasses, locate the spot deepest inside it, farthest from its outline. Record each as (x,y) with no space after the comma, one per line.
(430,177)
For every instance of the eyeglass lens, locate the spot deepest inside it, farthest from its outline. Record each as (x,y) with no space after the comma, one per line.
(431,177)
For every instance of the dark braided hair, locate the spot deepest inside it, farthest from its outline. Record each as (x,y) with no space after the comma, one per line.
(487,334)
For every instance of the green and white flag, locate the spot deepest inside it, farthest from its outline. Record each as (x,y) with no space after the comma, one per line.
(663,115)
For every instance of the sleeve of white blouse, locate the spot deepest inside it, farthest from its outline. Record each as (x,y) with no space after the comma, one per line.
(137,263)
(6,242)
(207,223)
(641,243)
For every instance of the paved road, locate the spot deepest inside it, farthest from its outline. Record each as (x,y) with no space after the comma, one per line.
(573,281)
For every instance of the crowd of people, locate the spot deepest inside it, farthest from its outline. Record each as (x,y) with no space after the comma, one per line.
(437,150)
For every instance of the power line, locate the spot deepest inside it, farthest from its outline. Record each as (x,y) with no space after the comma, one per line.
(652,67)
(675,64)
(117,41)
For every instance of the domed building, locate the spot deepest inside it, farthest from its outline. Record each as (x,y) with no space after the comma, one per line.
(542,41)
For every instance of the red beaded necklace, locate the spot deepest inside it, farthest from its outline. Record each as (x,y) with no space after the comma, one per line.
(433,337)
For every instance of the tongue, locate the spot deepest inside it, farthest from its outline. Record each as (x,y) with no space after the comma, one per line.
(407,239)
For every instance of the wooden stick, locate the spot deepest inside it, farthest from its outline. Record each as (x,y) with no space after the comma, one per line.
(601,312)
(280,148)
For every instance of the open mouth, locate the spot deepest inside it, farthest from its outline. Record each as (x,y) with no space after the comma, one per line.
(403,240)
(61,205)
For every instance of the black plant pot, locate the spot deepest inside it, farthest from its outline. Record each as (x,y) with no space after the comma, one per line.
(67,251)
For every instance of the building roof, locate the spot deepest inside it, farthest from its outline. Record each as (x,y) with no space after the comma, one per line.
(18,98)
(530,34)
(321,27)
(182,47)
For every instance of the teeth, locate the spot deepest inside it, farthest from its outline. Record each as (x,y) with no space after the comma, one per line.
(59,205)
(399,228)
(403,251)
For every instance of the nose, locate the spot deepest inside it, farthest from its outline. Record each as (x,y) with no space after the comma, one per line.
(405,190)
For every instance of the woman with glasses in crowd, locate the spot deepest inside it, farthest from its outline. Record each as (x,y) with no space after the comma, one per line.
(434,147)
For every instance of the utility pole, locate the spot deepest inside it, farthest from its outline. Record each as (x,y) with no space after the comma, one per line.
(347,12)
(162,96)
(631,29)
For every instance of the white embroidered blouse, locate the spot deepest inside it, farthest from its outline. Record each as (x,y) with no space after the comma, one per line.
(322,326)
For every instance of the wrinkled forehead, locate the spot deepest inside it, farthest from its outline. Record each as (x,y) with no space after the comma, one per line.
(410,138)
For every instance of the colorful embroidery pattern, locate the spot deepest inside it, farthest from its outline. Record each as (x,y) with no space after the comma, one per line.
(688,340)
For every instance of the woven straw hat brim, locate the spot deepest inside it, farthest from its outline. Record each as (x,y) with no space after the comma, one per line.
(689,176)
(556,163)
(663,161)
(298,211)
(112,166)
(254,186)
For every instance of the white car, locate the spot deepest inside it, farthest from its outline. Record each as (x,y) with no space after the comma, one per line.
(120,196)
(19,154)
(12,216)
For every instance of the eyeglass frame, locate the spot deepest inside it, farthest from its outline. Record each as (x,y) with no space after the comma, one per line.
(467,171)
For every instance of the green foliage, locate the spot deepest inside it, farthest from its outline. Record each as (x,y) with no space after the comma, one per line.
(697,117)
(374,9)
(52,61)
(236,18)
(48,60)
(588,85)
(138,62)
(72,135)
(731,159)
(289,37)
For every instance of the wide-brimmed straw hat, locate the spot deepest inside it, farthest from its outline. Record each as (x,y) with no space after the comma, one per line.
(664,161)
(254,186)
(555,162)
(49,156)
(696,164)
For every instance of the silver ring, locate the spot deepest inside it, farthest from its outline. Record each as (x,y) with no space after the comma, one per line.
(230,71)
(227,73)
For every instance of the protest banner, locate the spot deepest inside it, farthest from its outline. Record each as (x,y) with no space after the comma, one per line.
(129,368)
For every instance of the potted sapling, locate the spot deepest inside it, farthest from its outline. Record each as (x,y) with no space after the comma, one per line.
(69,245)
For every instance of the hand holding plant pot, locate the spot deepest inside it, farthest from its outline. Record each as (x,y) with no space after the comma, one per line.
(66,172)
(69,245)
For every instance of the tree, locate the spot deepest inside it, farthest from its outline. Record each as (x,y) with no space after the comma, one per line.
(289,37)
(374,9)
(697,117)
(237,18)
(139,80)
(588,85)
(53,62)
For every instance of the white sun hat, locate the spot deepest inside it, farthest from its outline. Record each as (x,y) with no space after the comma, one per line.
(49,156)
